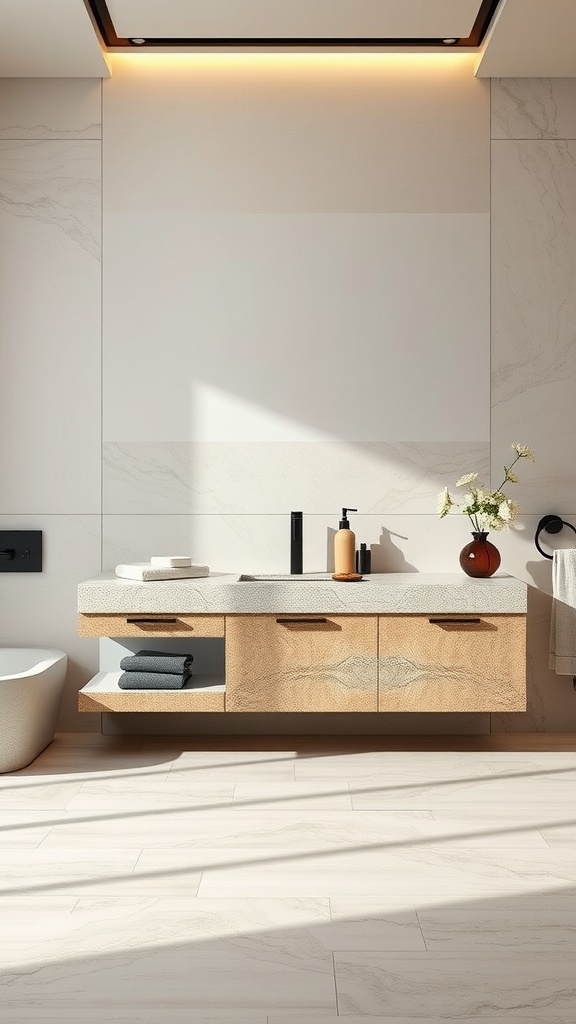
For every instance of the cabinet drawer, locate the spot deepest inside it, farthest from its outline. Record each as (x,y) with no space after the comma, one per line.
(452,663)
(301,663)
(140,624)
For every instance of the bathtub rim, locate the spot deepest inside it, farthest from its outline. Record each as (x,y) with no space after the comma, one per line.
(46,658)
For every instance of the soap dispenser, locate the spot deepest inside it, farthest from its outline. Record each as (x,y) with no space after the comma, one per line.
(344,545)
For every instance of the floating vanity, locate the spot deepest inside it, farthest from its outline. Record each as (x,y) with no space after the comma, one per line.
(394,642)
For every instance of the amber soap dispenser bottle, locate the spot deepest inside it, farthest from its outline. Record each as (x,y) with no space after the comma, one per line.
(345,545)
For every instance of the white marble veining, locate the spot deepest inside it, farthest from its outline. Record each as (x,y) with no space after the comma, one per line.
(439,983)
(392,592)
(533,108)
(528,928)
(50,297)
(301,913)
(56,184)
(50,108)
(533,314)
(227,478)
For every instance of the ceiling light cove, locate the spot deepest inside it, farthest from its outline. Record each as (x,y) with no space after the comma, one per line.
(178,24)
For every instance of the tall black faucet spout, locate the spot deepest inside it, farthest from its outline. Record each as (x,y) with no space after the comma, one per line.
(296,546)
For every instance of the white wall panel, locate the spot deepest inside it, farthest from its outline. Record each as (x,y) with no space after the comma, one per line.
(50,386)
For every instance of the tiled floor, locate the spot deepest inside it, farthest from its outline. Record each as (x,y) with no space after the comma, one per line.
(146,881)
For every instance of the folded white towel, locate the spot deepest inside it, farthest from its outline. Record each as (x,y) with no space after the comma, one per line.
(170,561)
(563,621)
(144,572)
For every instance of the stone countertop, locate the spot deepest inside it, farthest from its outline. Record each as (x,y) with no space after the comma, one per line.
(379,593)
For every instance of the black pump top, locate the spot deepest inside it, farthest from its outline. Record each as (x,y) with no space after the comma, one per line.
(344,524)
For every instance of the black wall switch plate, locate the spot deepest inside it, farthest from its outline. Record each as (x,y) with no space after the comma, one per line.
(20,550)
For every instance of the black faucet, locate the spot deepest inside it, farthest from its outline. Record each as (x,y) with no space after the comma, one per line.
(296,554)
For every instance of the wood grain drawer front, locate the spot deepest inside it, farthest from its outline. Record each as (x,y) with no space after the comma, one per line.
(452,663)
(140,624)
(301,663)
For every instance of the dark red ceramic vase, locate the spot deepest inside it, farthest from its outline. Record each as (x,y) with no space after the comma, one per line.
(480,558)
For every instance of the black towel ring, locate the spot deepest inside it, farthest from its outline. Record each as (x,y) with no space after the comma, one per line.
(552,524)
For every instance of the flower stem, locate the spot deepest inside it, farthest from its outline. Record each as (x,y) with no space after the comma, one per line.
(506,471)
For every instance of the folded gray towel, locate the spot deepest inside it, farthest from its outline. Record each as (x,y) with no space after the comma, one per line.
(153,680)
(157,661)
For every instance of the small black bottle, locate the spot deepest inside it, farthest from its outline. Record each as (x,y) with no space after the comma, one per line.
(363,560)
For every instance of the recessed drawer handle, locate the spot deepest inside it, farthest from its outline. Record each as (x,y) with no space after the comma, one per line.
(460,622)
(148,622)
(297,622)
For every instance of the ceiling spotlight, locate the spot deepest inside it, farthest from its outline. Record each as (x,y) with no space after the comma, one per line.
(447,41)
(138,41)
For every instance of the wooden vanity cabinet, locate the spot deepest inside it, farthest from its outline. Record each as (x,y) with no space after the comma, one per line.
(449,663)
(301,663)
(140,624)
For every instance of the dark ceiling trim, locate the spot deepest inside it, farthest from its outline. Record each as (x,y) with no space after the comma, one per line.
(103,21)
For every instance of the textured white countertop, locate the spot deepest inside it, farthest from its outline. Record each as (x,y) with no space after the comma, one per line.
(377,593)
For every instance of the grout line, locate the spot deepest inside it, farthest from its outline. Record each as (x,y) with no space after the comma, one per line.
(549,845)
(490,311)
(335,984)
(422,931)
(101,329)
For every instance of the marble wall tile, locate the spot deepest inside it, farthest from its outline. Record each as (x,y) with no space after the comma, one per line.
(533,315)
(288,326)
(50,108)
(50,301)
(533,108)
(209,478)
(40,609)
(261,543)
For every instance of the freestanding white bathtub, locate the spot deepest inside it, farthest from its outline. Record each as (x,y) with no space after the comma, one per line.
(31,685)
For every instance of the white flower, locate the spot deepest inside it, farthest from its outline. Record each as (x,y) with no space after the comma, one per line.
(505,511)
(468,478)
(511,477)
(524,452)
(444,502)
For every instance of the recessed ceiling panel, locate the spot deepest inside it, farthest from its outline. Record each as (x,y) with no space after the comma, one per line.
(531,39)
(54,39)
(306,19)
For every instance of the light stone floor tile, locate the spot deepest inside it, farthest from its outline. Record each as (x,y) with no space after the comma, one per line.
(291,1018)
(393,769)
(118,795)
(412,871)
(63,871)
(371,793)
(158,891)
(372,924)
(441,984)
(178,825)
(249,972)
(269,949)
(520,927)
(141,1015)
(36,794)
(297,795)
(24,828)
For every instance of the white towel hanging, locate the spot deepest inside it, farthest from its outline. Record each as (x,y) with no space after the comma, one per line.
(563,621)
